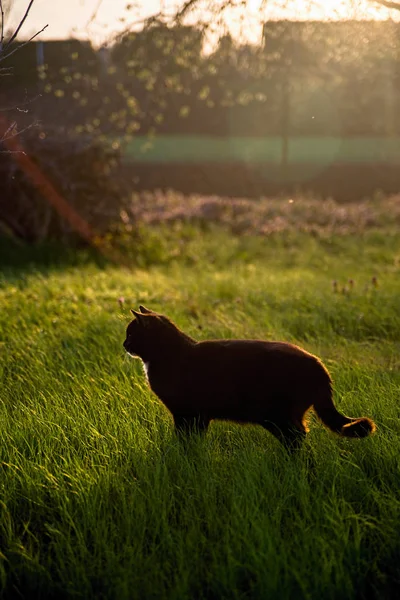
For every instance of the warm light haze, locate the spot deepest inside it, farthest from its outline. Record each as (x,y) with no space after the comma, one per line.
(99,19)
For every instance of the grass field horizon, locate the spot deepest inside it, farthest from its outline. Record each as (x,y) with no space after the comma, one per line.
(98,497)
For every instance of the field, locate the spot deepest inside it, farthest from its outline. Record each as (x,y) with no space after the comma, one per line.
(100,500)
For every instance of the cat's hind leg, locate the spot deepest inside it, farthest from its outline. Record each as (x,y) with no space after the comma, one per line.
(290,434)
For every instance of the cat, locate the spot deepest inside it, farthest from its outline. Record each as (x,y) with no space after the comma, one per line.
(268,383)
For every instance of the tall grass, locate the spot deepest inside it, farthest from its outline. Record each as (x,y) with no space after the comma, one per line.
(100,500)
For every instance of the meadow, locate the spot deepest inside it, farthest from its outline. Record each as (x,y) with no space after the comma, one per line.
(99,499)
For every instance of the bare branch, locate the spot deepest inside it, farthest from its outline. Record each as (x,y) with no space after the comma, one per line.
(9,132)
(394,5)
(185,9)
(10,129)
(23,44)
(2,26)
(16,32)
(19,105)
(12,133)
(158,17)
(94,13)
(144,22)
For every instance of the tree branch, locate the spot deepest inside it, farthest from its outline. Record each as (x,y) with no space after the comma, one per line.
(11,131)
(18,106)
(185,8)
(94,13)
(21,45)
(394,5)
(144,22)
(2,26)
(16,32)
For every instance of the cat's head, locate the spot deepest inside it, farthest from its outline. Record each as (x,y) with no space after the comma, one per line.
(148,334)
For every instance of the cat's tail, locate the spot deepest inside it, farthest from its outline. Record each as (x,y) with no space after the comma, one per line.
(332,418)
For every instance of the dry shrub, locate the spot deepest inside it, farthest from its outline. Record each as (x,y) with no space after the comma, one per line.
(266,216)
(83,173)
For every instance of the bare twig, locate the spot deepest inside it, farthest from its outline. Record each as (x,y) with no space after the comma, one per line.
(395,5)
(11,151)
(158,17)
(23,44)
(145,22)
(2,26)
(11,133)
(185,9)
(18,106)
(94,13)
(16,32)
(10,129)
(218,7)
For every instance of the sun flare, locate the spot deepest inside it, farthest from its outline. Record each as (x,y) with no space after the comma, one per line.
(100,20)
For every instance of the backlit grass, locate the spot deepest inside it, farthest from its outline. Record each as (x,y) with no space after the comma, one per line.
(98,499)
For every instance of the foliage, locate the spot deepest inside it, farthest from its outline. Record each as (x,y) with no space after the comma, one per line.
(305,78)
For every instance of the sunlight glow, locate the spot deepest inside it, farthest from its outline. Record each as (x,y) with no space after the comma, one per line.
(75,17)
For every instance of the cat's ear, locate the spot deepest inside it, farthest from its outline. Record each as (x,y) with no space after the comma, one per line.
(144,310)
(138,316)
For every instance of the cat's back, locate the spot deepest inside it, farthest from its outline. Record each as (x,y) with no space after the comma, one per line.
(234,368)
(226,348)
(254,355)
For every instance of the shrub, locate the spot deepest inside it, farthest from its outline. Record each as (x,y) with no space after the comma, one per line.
(50,183)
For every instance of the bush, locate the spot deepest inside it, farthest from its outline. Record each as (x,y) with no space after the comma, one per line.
(59,187)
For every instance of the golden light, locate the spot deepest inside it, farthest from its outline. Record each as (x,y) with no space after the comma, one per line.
(75,16)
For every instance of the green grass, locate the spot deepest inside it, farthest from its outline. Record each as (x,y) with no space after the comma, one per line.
(98,498)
